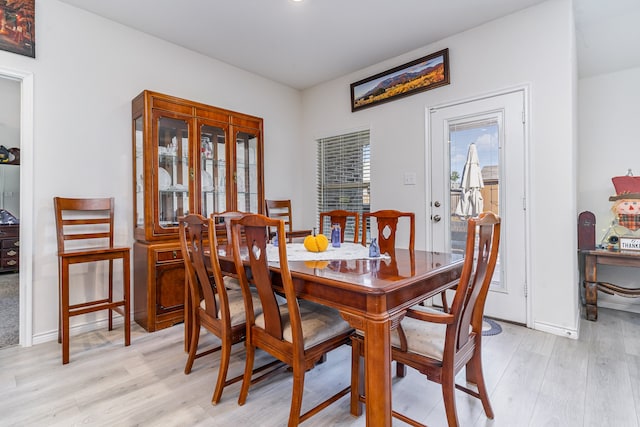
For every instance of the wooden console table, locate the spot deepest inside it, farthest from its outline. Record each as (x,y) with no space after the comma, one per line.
(605,257)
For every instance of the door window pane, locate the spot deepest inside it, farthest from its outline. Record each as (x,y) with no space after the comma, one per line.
(474,155)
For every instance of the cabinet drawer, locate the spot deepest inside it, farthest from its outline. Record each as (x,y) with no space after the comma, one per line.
(169,255)
(10,243)
(9,231)
(10,253)
(9,263)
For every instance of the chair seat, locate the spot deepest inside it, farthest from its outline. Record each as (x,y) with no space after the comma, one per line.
(424,338)
(87,252)
(231,283)
(236,306)
(319,323)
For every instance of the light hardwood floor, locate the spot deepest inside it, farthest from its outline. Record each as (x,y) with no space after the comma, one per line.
(534,379)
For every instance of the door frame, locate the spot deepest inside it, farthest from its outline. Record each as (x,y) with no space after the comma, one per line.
(26,202)
(525,89)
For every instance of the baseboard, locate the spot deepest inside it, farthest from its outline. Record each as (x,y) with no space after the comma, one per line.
(557,330)
(118,320)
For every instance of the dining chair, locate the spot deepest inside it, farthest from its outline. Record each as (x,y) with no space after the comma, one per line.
(298,333)
(281,209)
(439,344)
(222,221)
(342,218)
(213,306)
(386,225)
(85,234)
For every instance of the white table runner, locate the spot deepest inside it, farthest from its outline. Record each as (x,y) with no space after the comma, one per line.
(346,251)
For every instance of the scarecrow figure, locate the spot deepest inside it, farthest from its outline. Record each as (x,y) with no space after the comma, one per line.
(626,210)
(626,206)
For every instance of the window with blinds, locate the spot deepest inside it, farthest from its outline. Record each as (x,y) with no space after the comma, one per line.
(344,172)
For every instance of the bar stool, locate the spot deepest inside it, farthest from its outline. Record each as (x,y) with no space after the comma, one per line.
(89,221)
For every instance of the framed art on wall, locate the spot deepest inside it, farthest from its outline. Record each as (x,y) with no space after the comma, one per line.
(17,27)
(422,74)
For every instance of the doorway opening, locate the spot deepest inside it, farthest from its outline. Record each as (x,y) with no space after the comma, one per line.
(9,211)
(24,204)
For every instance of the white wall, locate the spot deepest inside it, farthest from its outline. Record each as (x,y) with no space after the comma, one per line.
(86,72)
(504,53)
(608,145)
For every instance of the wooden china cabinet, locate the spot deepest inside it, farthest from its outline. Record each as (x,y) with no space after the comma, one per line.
(188,158)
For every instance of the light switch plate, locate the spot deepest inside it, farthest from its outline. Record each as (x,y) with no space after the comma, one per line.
(409,178)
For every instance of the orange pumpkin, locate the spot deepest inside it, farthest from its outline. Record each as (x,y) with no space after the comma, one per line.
(317,243)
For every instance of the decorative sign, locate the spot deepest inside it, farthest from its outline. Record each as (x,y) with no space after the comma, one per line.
(17,27)
(629,244)
(416,76)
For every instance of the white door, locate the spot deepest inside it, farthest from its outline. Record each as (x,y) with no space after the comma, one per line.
(477,164)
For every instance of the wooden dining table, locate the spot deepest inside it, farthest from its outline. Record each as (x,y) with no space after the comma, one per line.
(372,295)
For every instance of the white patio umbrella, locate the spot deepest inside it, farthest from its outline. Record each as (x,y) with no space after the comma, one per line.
(471,203)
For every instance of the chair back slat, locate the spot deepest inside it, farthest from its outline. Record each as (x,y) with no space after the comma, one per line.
(193,231)
(222,220)
(86,236)
(481,256)
(256,235)
(256,228)
(344,219)
(386,225)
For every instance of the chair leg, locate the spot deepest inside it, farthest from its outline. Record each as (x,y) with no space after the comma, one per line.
(475,365)
(248,372)
(448,395)
(193,348)
(296,396)
(59,303)
(357,376)
(64,308)
(225,355)
(111,294)
(401,370)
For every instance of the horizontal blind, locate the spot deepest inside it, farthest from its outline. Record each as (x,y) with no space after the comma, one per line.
(344,175)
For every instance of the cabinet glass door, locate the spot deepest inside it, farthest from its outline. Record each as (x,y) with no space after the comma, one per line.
(213,165)
(246,173)
(173,170)
(139,171)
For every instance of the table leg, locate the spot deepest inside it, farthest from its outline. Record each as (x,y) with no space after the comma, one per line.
(377,347)
(591,287)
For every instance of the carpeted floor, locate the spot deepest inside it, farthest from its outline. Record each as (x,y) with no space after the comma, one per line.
(9,309)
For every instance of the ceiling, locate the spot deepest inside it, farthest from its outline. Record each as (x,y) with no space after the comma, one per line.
(302,44)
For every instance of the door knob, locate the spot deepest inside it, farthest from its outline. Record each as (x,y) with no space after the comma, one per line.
(436,204)
(436,218)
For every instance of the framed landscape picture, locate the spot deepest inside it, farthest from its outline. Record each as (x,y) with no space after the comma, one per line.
(17,27)
(416,76)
